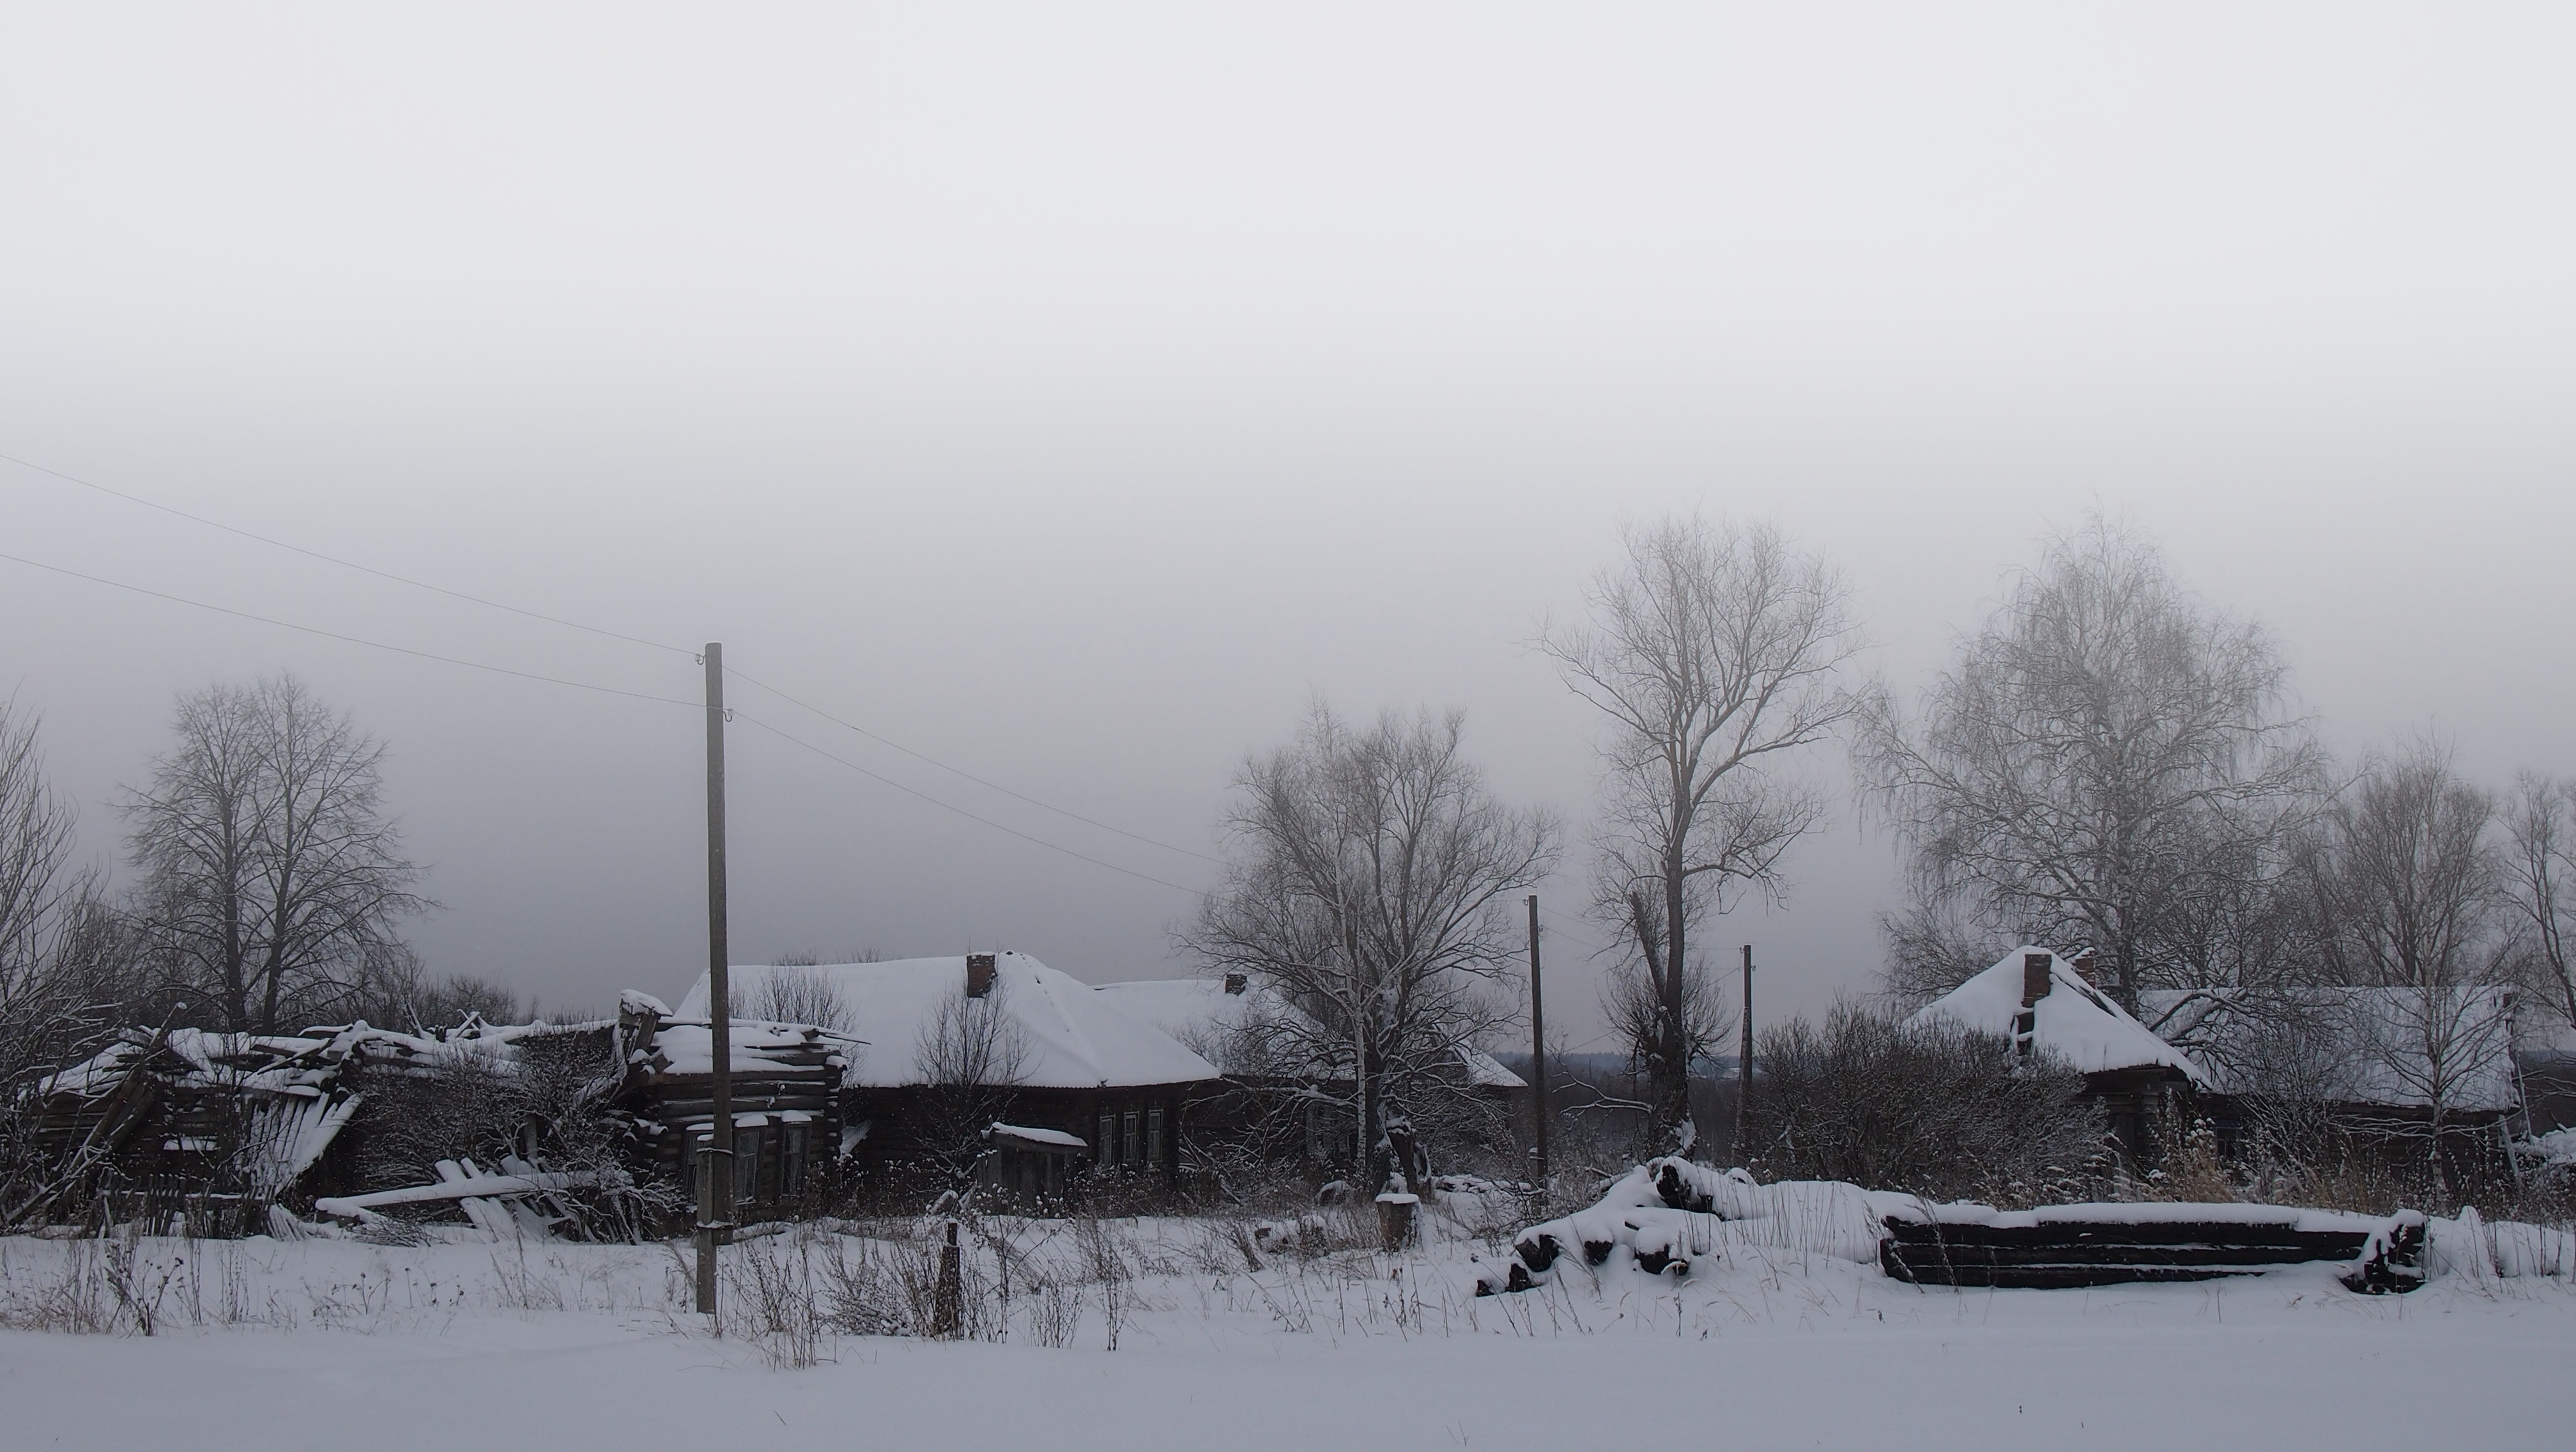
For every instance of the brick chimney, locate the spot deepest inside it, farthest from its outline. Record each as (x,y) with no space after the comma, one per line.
(2034,987)
(2034,977)
(979,975)
(1237,982)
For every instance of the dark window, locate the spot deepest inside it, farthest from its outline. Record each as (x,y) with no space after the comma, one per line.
(746,1165)
(1108,1138)
(791,1162)
(1135,1144)
(1154,1135)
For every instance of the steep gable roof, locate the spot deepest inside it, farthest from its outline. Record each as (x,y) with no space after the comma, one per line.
(2073,1020)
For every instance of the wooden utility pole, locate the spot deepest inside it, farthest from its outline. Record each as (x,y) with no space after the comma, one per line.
(1744,1058)
(715,1158)
(1538,1058)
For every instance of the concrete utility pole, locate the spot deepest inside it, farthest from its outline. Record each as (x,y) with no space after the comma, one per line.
(1538,1058)
(1744,1058)
(715,1157)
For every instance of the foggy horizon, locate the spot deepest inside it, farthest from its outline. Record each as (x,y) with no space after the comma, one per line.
(1074,402)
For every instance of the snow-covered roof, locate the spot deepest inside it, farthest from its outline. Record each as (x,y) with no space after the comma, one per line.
(1202,1014)
(2073,1020)
(1077,1039)
(688,1047)
(2378,1037)
(302,1063)
(296,1093)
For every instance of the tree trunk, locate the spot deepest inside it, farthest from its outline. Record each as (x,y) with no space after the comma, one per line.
(1671,1089)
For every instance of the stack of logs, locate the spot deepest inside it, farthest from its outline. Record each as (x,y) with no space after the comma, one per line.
(2056,1250)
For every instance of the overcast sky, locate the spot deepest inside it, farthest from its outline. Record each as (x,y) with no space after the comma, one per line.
(1073,392)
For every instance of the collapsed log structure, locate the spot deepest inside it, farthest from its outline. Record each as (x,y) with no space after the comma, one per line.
(216,1127)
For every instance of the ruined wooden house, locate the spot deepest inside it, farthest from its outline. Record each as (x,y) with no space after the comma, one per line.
(218,1126)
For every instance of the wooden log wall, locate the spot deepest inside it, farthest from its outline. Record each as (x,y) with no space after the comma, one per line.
(2060,1254)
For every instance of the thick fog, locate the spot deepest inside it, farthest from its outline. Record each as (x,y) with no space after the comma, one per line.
(1073,393)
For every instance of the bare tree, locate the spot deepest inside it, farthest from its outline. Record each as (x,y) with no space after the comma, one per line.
(1370,872)
(36,834)
(798,992)
(1933,946)
(2105,763)
(2413,892)
(971,1057)
(2541,820)
(395,993)
(272,880)
(62,947)
(1712,650)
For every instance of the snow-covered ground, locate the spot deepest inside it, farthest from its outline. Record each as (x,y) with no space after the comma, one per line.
(343,1344)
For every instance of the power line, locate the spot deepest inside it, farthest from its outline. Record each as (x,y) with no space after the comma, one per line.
(1577,938)
(591,629)
(605,690)
(961,811)
(970,776)
(350,639)
(602,631)
(345,564)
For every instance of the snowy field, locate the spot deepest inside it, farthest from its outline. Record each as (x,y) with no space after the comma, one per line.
(345,1344)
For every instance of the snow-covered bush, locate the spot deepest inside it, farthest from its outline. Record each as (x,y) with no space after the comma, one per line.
(1934,1111)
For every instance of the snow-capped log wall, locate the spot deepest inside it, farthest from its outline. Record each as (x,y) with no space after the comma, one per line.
(2063,1246)
(1668,1215)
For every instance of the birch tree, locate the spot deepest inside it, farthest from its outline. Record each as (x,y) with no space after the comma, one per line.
(1369,873)
(2104,763)
(1713,652)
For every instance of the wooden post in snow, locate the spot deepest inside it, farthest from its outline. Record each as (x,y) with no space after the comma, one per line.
(1744,1058)
(715,1164)
(1538,1059)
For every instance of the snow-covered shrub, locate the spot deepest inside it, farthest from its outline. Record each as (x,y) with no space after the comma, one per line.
(1935,1111)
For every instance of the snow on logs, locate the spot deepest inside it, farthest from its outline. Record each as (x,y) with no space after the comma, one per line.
(1668,1215)
(2065,1246)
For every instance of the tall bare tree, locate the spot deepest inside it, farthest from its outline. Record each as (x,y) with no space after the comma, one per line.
(273,882)
(1713,650)
(2105,763)
(2414,893)
(2541,819)
(1370,872)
